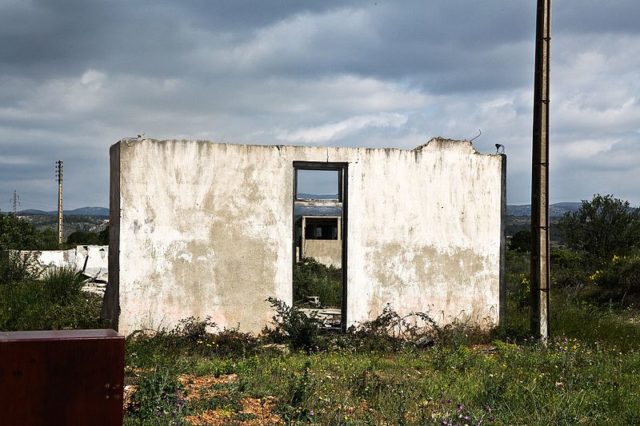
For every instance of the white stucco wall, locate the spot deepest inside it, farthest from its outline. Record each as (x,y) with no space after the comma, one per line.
(200,228)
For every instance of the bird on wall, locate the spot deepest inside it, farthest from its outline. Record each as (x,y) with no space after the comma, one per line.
(499,149)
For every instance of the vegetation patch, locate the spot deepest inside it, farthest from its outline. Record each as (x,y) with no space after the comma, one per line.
(311,278)
(53,300)
(394,369)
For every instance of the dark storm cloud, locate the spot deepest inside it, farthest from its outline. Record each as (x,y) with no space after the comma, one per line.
(596,16)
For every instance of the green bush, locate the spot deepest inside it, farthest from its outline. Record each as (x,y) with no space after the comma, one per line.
(602,227)
(85,238)
(568,268)
(62,284)
(521,241)
(190,337)
(16,267)
(293,326)
(17,233)
(301,387)
(31,305)
(619,279)
(311,278)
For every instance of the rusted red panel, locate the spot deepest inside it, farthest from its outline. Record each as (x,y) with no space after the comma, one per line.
(70,377)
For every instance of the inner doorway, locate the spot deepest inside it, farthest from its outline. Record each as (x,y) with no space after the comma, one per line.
(320,240)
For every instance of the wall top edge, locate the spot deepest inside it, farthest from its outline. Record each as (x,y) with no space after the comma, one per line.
(434,144)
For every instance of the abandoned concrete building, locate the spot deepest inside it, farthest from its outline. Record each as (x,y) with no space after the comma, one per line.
(320,238)
(209,229)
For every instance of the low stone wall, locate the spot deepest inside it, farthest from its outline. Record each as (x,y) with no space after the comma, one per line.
(91,261)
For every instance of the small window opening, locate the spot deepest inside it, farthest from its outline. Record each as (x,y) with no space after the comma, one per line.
(318,228)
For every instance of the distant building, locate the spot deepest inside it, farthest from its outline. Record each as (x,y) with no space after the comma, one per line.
(320,238)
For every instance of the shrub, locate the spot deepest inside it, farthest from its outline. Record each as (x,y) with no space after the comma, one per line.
(16,267)
(85,238)
(17,233)
(31,306)
(53,301)
(517,279)
(619,278)
(192,337)
(300,391)
(62,284)
(293,326)
(521,241)
(193,329)
(602,227)
(568,268)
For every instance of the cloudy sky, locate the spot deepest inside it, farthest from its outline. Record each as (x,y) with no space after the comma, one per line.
(78,75)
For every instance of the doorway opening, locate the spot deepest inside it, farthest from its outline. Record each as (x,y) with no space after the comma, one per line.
(320,241)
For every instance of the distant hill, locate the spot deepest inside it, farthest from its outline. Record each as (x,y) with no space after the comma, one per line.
(555,210)
(88,211)
(82,211)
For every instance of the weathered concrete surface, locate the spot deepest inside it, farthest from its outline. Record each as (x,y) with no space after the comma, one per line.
(93,261)
(327,252)
(206,229)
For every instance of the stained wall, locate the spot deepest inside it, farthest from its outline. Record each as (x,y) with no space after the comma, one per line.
(205,229)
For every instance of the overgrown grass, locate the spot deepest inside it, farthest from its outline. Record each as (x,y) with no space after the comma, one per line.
(587,374)
(383,372)
(575,311)
(53,300)
(566,382)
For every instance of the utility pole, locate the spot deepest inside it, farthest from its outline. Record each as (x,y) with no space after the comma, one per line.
(15,202)
(59,170)
(540,259)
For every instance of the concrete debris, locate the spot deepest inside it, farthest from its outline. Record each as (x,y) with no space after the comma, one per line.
(328,317)
(424,342)
(277,347)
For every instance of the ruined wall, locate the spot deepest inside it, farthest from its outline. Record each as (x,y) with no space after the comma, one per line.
(327,252)
(90,260)
(425,232)
(206,229)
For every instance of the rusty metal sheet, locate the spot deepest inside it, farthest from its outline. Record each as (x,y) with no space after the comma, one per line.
(67,377)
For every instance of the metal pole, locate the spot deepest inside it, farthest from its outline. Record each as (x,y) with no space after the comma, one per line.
(540,177)
(59,171)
